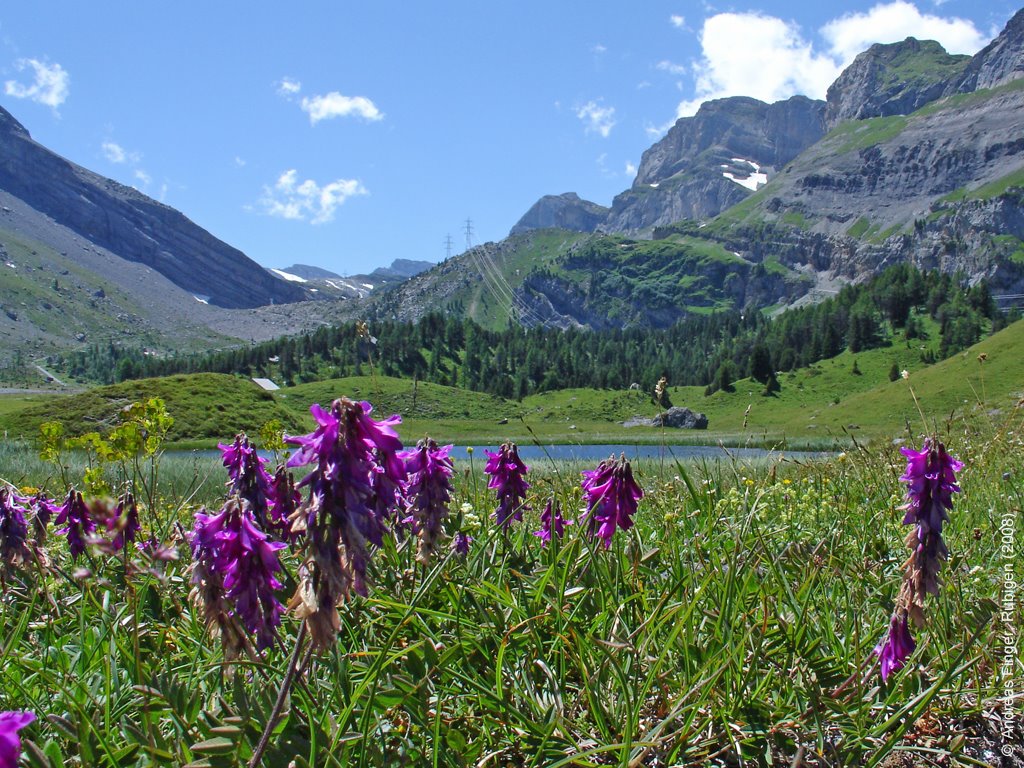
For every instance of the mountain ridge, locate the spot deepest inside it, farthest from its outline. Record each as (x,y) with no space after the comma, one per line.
(133,226)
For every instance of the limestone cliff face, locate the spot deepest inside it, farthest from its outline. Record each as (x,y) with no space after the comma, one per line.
(566,211)
(998,63)
(715,159)
(893,79)
(132,225)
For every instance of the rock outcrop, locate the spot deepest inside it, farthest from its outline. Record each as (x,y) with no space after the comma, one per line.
(715,159)
(566,211)
(892,79)
(133,226)
(998,63)
(674,418)
(681,418)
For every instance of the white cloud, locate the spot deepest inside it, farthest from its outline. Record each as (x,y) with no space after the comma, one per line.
(598,49)
(750,54)
(630,169)
(114,152)
(49,85)
(287,87)
(597,118)
(297,200)
(118,155)
(753,54)
(677,21)
(334,104)
(890,22)
(240,162)
(671,67)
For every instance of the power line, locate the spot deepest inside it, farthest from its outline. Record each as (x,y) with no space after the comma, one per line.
(468,229)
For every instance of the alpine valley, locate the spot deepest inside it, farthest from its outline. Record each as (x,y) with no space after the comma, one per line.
(916,156)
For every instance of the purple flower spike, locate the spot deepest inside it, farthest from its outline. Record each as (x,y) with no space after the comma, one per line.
(10,742)
(460,543)
(894,651)
(124,522)
(612,496)
(931,483)
(234,574)
(13,529)
(78,525)
(248,477)
(551,523)
(250,564)
(285,499)
(354,489)
(429,492)
(508,477)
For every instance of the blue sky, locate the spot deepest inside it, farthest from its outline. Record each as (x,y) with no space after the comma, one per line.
(345,135)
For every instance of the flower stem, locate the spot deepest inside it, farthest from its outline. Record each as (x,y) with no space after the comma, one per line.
(282,694)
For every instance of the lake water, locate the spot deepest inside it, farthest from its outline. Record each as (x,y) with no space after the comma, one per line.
(595,453)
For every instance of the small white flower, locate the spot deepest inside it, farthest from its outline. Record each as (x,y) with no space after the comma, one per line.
(905,373)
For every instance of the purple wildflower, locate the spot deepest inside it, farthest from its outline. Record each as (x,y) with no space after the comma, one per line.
(13,529)
(248,477)
(460,543)
(612,496)
(43,510)
(234,572)
(508,477)
(156,550)
(931,483)
(10,742)
(894,651)
(123,522)
(285,499)
(78,524)
(552,525)
(357,478)
(429,492)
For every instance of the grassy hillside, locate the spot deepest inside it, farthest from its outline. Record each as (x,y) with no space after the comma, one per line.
(827,399)
(50,303)
(204,406)
(818,404)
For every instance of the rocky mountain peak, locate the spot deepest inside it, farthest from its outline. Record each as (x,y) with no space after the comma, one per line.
(9,125)
(694,172)
(892,79)
(566,211)
(133,226)
(997,63)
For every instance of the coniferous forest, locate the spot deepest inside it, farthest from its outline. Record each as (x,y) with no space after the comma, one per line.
(710,350)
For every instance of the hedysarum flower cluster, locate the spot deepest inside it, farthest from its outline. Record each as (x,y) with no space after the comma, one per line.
(270,498)
(508,477)
(355,486)
(234,574)
(931,483)
(612,497)
(429,492)
(123,522)
(77,522)
(461,543)
(10,742)
(13,530)
(552,525)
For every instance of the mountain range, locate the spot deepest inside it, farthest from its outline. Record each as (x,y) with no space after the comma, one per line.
(915,155)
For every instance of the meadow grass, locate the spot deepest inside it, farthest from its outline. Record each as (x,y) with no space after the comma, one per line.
(733,624)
